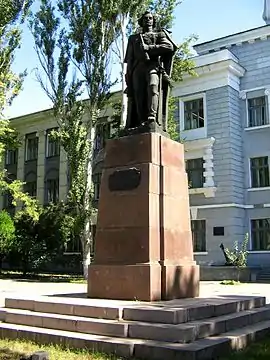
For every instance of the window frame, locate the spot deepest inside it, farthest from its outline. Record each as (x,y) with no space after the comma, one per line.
(251,234)
(35,188)
(251,173)
(249,108)
(97,185)
(35,138)
(14,157)
(202,249)
(202,170)
(51,141)
(47,201)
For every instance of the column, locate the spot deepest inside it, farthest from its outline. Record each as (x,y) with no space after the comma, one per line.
(41,166)
(208,168)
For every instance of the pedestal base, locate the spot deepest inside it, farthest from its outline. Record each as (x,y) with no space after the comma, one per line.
(143,241)
(180,281)
(125,282)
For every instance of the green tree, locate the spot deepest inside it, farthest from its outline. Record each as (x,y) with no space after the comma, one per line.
(73,42)
(7,234)
(11,14)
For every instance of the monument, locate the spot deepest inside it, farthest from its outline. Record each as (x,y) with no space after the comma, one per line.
(143,240)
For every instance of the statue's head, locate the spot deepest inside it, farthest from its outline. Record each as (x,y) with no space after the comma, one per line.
(147,19)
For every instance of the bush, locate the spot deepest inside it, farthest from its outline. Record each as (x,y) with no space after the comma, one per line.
(7,234)
(238,255)
(38,243)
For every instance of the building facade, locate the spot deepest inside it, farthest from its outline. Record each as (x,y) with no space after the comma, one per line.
(223,116)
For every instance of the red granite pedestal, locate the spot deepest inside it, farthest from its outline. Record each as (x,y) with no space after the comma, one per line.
(143,239)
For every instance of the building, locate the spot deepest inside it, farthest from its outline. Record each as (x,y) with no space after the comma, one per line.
(223,117)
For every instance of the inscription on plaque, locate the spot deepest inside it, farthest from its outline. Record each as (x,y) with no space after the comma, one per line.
(124,180)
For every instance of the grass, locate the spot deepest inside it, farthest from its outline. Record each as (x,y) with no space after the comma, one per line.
(15,349)
(42,277)
(256,351)
(230,282)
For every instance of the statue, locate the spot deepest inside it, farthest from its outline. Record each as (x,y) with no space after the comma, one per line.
(149,59)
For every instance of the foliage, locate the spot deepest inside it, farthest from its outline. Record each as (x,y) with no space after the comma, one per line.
(7,232)
(230,282)
(77,41)
(11,12)
(38,242)
(238,255)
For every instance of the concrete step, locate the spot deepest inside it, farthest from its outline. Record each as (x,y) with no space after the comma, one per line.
(168,312)
(208,348)
(2,314)
(194,330)
(181,333)
(68,306)
(176,312)
(67,322)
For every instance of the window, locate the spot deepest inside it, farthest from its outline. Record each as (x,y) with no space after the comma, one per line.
(257,113)
(73,245)
(31,147)
(195,170)
(193,114)
(96,183)
(198,235)
(31,188)
(259,169)
(11,157)
(7,201)
(52,190)
(260,234)
(103,132)
(52,145)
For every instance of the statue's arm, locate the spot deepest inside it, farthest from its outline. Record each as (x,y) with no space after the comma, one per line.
(162,46)
(129,57)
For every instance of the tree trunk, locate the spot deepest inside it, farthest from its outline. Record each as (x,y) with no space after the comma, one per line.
(86,249)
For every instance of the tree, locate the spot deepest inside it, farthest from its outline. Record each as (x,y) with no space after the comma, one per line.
(7,233)
(11,13)
(75,38)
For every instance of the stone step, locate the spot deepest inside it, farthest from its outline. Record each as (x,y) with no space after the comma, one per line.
(169,312)
(182,333)
(68,306)
(67,322)
(2,314)
(74,340)
(191,331)
(176,312)
(204,349)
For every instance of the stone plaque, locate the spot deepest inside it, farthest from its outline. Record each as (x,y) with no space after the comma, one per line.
(124,180)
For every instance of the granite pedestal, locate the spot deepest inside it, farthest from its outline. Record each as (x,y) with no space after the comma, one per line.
(143,240)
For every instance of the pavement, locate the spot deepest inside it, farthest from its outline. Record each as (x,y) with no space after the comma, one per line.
(13,288)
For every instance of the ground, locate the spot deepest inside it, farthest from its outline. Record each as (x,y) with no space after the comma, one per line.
(12,350)
(207,289)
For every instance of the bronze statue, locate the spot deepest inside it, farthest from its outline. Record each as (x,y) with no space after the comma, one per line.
(149,59)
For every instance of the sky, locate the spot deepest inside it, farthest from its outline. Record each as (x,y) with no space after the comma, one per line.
(208,19)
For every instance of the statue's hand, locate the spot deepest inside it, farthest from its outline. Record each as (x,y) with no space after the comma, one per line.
(146,47)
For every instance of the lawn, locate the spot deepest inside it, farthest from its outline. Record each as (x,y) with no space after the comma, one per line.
(15,349)
(42,277)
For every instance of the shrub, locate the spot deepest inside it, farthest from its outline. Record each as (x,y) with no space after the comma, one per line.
(7,234)
(238,255)
(38,243)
